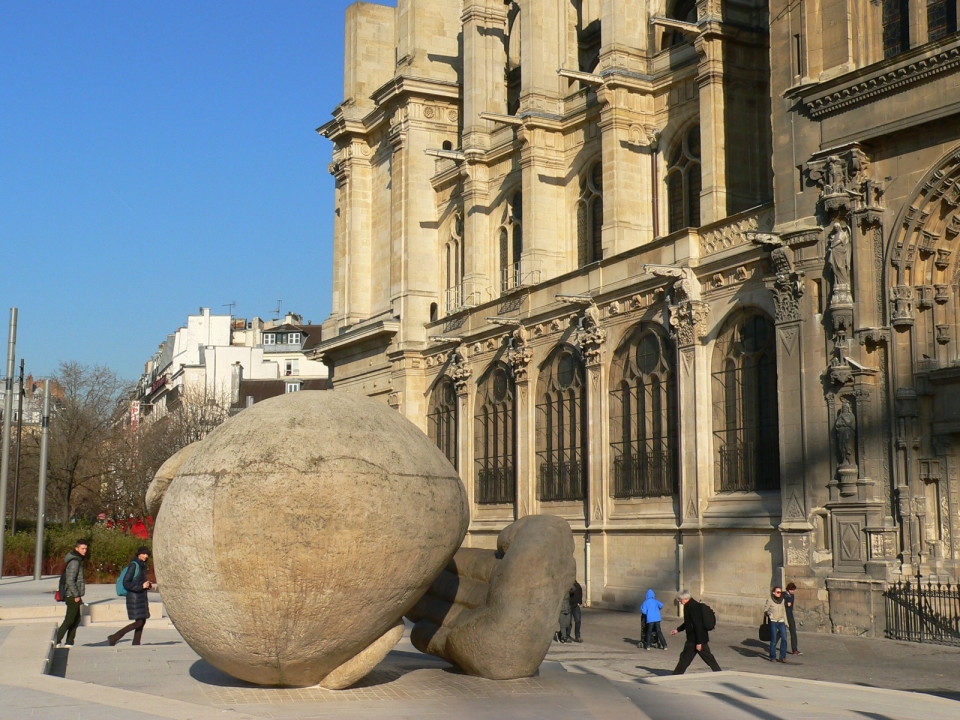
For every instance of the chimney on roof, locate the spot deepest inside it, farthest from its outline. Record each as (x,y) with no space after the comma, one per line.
(236,377)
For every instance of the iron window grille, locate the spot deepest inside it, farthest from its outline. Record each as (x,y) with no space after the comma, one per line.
(495,437)
(561,427)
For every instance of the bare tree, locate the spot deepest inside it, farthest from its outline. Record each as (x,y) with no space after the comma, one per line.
(136,455)
(81,429)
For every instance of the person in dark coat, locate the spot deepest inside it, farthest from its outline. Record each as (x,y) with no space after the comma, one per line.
(790,600)
(74,588)
(138,605)
(698,639)
(576,602)
(563,625)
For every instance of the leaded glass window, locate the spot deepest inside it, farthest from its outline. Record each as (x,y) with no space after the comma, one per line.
(561,426)
(495,437)
(590,216)
(643,415)
(745,430)
(683,182)
(442,418)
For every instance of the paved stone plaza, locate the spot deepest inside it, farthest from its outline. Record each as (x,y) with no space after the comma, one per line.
(607,676)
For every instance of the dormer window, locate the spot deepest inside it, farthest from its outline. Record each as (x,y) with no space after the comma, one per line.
(269,339)
(294,338)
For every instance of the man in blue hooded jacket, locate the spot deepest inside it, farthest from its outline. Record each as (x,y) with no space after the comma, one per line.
(651,609)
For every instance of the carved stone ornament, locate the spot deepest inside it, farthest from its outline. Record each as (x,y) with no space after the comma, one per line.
(689,321)
(459,370)
(845,188)
(901,306)
(787,287)
(518,355)
(589,336)
(839,253)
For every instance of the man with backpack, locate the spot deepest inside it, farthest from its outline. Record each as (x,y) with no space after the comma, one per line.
(74,586)
(698,620)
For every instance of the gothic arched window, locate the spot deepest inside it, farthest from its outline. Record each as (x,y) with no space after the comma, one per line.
(453,265)
(561,426)
(442,418)
(510,241)
(643,415)
(683,182)
(495,437)
(590,216)
(745,430)
(511,73)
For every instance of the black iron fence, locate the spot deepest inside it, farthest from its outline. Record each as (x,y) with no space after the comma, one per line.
(923,612)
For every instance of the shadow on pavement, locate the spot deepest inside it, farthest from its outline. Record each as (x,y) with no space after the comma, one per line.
(633,641)
(940,692)
(744,707)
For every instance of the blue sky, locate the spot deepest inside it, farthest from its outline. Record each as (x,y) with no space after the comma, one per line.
(156,157)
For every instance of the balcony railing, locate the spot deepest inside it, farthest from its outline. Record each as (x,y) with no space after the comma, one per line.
(283,347)
(561,476)
(496,484)
(517,275)
(643,469)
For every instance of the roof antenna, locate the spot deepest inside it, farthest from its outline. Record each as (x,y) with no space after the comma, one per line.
(232,304)
(276,310)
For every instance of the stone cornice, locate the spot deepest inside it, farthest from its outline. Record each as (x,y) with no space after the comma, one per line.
(381,329)
(844,92)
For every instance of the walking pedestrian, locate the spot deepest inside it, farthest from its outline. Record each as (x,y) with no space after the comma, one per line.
(651,610)
(75,587)
(138,605)
(789,600)
(776,610)
(698,639)
(576,602)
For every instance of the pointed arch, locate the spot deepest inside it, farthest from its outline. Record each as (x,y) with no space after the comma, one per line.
(561,426)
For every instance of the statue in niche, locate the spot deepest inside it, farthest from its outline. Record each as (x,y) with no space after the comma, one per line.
(835,176)
(838,255)
(845,429)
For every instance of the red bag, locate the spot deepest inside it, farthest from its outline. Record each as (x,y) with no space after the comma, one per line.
(57,596)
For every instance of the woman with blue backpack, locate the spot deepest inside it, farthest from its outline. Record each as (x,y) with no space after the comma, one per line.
(133,583)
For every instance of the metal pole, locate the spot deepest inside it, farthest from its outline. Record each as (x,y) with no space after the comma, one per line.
(42,489)
(7,412)
(16,470)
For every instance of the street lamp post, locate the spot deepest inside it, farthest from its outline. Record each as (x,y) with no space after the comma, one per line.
(7,412)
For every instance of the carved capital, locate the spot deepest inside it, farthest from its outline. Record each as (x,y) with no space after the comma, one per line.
(518,355)
(459,371)
(589,337)
(689,321)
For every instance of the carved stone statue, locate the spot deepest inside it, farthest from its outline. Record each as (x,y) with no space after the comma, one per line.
(838,255)
(845,429)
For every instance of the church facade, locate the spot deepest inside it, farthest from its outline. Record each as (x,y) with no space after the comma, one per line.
(684,273)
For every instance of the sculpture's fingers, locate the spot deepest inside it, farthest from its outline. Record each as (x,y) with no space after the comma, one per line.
(509,635)
(363,662)
(165,475)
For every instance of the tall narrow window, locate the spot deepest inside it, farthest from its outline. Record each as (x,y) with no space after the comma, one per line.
(454,266)
(745,430)
(588,35)
(685,10)
(590,216)
(561,427)
(442,418)
(511,244)
(643,415)
(941,18)
(512,71)
(495,437)
(683,182)
(896,27)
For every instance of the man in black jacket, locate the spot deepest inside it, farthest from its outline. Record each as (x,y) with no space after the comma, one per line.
(698,639)
(576,602)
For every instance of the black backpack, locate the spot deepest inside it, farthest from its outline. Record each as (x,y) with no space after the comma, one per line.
(709,617)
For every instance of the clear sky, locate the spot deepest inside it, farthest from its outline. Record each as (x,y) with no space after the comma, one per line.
(156,157)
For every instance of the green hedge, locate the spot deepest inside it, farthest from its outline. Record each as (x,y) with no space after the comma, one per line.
(110,550)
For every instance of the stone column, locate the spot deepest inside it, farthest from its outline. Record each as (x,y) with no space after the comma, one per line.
(518,356)
(713,165)
(484,62)
(353,174)
(627,147)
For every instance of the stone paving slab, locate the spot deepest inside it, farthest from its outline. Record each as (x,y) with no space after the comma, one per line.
(607,676)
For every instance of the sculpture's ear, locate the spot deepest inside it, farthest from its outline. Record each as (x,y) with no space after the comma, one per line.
(165,475)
